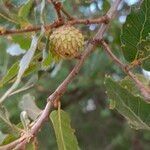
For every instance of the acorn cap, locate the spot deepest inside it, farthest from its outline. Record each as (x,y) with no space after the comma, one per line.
(66,42)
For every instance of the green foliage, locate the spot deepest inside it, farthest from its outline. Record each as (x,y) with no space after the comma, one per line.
(24,41)
(135,30)
(66,139)
(11,73)
(133,108)
(25,9)
(85,98)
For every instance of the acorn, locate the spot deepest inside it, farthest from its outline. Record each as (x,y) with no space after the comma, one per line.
(66,42)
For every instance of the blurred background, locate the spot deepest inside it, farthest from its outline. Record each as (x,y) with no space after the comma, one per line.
(97,127)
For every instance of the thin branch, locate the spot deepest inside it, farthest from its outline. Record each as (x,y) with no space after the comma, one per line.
(63,86)
(57,5)
(103,19)
(32,29)
(21,90)
(67,14)
(144,90)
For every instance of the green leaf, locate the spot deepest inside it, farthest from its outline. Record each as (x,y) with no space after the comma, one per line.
(66,139)
(136,29)
(133,108)
(23,66)
(25,9)
(12,72)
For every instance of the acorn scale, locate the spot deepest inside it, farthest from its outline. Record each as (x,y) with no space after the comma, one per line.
(66,42)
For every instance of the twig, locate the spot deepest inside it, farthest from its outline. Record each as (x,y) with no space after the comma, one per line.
(57,6)
(32,29)
(67,14)
(144,90)
(103,19)
(62,87)
(21,89)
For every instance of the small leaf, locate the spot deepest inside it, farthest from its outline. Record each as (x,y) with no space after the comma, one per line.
(66,139)
(133,108)
(28,104)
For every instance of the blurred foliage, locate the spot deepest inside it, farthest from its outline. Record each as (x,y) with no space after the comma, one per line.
(97,127)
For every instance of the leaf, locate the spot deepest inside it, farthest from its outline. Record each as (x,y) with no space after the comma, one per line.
(133,108)
(23,66)
(135,30)
(25,9)
(28,104)
(66,139)
(12,72)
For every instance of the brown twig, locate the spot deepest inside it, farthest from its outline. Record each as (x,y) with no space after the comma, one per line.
(57,5)
(103,19)
(144,90)
(67,14)
(62,87)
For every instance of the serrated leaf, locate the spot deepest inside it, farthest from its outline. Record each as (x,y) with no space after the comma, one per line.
(28,104)
(66,139)
(136,29)
(25,9)
(133,108)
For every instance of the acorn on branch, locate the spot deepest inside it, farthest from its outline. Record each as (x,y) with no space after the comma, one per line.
(66,42)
